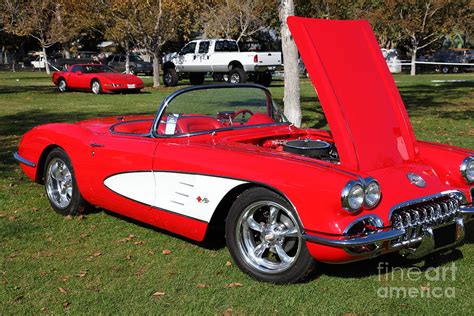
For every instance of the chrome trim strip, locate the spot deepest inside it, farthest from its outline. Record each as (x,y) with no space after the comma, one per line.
(354,242)
(378,221)
(22,160)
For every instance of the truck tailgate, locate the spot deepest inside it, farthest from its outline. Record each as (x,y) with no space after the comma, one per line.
(269,59)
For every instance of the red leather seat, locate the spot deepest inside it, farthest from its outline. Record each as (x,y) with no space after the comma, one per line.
(259,118)
(195,124)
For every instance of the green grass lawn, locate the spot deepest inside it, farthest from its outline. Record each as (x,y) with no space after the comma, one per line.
(100,263)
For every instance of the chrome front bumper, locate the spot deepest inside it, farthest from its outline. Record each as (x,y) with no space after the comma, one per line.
(23,160)
(389,237)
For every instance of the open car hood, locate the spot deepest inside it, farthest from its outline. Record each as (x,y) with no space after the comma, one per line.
(357,92)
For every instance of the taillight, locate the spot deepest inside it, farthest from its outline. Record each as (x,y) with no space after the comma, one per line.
(255,59)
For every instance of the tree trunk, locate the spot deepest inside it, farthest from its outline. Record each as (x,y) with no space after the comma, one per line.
(127,62)
(291,97)
(46,60)
(67,50)
(156,69)
(413,61)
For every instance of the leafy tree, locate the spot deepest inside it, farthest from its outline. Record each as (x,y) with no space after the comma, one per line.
(33,18)
(236,19)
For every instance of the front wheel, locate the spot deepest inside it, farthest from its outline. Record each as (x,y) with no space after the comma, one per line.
(62,85)
(264,238)
(170,77)
(60,184)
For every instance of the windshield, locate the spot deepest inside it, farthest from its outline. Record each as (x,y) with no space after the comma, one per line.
(135,58)
(219,108)
(93,69)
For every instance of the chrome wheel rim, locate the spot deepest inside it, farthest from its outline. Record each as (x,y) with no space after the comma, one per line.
(235,78)
(62,85)
(268,237)
(168,78)
(95,87)
(59,183)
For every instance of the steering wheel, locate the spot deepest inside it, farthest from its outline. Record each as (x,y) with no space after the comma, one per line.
(243,112)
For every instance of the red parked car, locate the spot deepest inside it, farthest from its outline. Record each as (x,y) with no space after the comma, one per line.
(224,156)
(96,78)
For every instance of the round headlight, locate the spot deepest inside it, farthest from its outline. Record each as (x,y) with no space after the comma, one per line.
(467,169)
(353,196)
(372,194)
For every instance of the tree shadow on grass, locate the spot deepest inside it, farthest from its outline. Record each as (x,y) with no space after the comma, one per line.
(26,88)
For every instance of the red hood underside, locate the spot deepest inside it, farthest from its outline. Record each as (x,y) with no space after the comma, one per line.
(357,92)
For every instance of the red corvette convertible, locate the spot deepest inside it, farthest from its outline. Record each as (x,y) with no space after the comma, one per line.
(96,78)
(286,198)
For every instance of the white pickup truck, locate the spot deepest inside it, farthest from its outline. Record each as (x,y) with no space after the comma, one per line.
(222,58)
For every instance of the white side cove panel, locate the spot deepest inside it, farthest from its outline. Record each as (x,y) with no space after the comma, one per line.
(191,195)
(138,186)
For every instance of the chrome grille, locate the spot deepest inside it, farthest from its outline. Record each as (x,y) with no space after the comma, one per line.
(415,218)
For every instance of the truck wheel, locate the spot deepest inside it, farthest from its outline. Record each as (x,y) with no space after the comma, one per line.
(445,69)
(196,78)
(237,75)
(263,235)
(457,69)
(170,77)
(217,77)
(264,78)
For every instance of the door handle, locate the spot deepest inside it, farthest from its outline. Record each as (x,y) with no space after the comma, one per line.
(95,145)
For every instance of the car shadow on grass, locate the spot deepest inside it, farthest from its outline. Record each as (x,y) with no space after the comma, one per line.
(392,261)
(27,88)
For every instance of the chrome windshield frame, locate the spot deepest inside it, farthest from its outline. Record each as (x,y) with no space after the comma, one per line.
(169,98)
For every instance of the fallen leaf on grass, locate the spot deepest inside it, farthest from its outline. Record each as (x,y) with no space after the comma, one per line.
(2,214)
(228,264)
(44,309)
(158,294)
(42,273)
(128,257)
(62,290)
(65,278)
(233,284)
(66,304)
(128,238)
(84,235)
(425,288)
(166,252)
(201,286)
(140,272)
(141,242)
(81,274)
(69,217)
(97,254)
(35,209)
(12,218)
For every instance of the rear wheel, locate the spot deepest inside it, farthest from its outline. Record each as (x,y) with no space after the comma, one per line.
(96,87)
(445,69)
(60,184)
(264,78)
(264,238)
(170,77)
(196,78)
(62,85)
(237,75)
